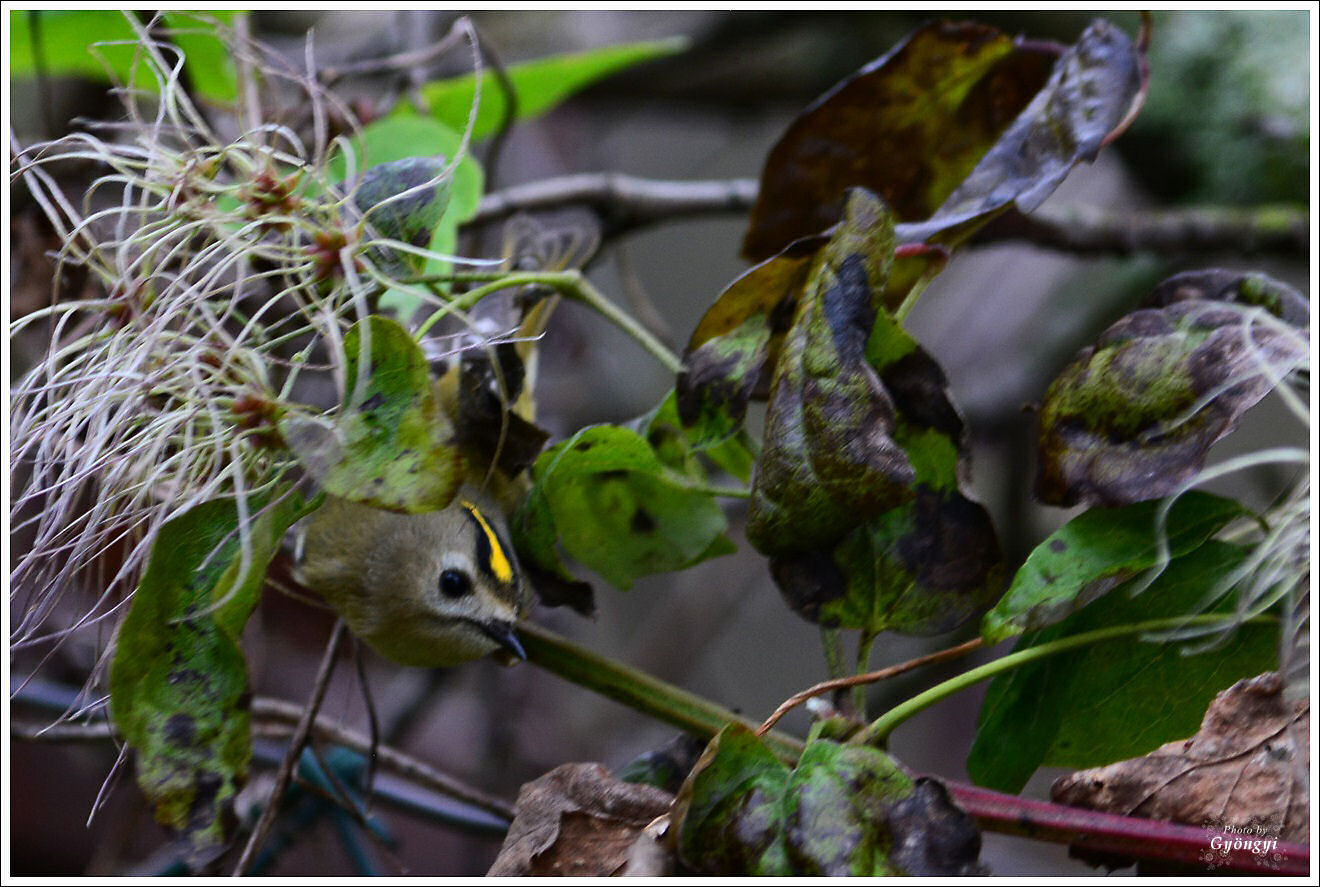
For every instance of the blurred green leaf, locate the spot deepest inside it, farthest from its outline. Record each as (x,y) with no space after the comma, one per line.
(63,39)
(1121,698)
(390,445)
(618,509)
(844,810)
(539,85)
(1097,551)
(178,683)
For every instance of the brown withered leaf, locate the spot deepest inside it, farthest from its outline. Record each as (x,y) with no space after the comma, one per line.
(908,127)
(1246,769)
(578,820)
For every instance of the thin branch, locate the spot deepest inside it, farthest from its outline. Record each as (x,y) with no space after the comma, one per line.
(276,717)
(638,690)
(1130,836)
(625,203)
(870,677)
(285,775)
(389,758)
(1087,230)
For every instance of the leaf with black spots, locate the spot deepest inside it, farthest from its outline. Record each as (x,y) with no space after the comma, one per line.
(923,568)
(843,810)
(685,449)
(737,339)
(909,127)
(732,353)
(1117,698)
(536,541)
(1134,416)
(1097,551)
(390,446)
(616,508)
(1094,88)
(178,682)
(829,460)
(1243,288)
(857,497)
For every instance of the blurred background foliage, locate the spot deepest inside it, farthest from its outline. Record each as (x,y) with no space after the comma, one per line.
(1226,123)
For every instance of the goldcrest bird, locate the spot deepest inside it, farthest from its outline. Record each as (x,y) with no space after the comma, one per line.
(432,589)
(444,587)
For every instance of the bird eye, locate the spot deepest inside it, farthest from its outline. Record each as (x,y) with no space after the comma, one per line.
(454,583)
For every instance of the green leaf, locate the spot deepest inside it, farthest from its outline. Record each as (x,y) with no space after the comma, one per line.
(398,152)
(539,85)
(63,39)
(856,494)
(682,448)
(1098,550)
(390,445)
(1115,699)
(1134,416)
(724,365)
(925,567)
(209,60)
(844,810)
(617,509)
(178,683)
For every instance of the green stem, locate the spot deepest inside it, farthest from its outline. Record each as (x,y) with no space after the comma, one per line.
(878,731)
(571,285)
(865,641)
(831,644)
(466,301)
(579,288)
(638,690)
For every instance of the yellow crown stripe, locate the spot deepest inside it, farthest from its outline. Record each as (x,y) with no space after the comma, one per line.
(500,564)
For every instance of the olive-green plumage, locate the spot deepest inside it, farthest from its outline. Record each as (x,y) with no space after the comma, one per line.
(433,589)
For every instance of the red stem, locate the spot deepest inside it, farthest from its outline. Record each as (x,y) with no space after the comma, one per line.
(1124,835)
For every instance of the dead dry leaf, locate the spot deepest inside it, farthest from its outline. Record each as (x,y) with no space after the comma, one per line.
(577,820)
(1245,770)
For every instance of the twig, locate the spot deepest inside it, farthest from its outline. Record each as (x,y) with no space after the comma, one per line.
(1086,230)
(1114,833)
(396,62)
(284,717)
(300,734)
(626,203)
(389,758)
(623,202)
(639,690)
(870,677)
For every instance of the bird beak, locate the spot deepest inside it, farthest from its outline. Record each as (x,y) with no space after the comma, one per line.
(502,634)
